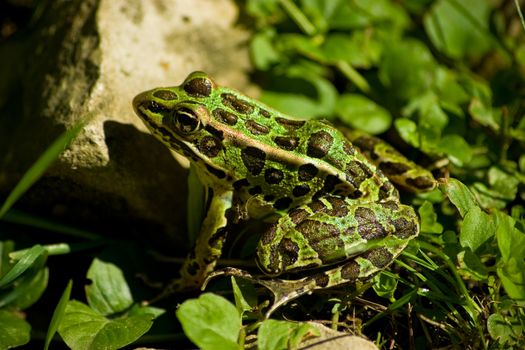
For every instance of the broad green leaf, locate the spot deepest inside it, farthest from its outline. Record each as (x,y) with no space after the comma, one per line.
(25,262)
(210,322)
(477,228)
(407,69)
(14,331)
(40,166)
(243,302)
(459,28)
(359,49)
(457,149)
(472,266)
(262,52)
(300,97)
(385,285)
(503,328)
(428,217)
(459,195)
(505,184)
(31,288)
(108,293)
(511,267)
(407,129)
(58,314)
(361,113)
(276,335)
(83,328)
(484,114)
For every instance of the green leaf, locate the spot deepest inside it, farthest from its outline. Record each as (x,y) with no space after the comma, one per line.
(407,129)
(276,335)
(58,314)
(484,114)
(472,265)
(459,28)
(108,293)
(84,328)
(457,149)
(25,262)
(428,217)
(241,301)
(196,204)
(305,97)
(505,184)
(361,113)
(407,69)
(503,328)
(14,331)
(40,166)
(459,195)
(210,322)
(477,228)
(385,285)
(262,52)
(30,289)
(359,49)
(511,267)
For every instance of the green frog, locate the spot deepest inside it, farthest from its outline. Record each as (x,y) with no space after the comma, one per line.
(327,196)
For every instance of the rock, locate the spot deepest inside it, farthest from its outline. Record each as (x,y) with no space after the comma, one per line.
(87,59)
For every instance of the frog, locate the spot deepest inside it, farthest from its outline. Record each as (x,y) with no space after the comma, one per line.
(327,196)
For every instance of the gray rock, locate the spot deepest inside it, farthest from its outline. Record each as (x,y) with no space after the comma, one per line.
(89,58)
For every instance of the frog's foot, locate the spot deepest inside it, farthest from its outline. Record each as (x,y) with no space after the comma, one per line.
(283,291)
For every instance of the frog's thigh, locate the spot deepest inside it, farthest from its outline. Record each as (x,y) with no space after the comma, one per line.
(332,230)
(208,246)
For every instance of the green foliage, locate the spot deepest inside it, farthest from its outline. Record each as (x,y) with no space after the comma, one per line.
(439,79)
(111,320)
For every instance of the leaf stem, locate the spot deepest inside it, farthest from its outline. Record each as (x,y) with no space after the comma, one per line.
(298,17)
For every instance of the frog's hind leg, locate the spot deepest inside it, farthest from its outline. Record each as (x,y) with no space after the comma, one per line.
(393,164)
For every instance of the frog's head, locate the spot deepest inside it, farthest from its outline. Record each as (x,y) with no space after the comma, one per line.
(179,116)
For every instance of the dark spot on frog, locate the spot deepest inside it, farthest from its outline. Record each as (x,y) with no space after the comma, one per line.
(224,116)
(289,251)
(282,203)
(256,128)
(321,280)
(264,113)
(253,159)
(255,190)
(155,107)
(233,102)
(386,190)
(241,183)
(198,87)
(355,194)
(421,182)
(393,168)
(215,132)
(317,206)
(324,239)
(166,95)
(391,205)
(210,146)
(217,172)
(348,148)
(319,144)
(218,238)
(405,228)
(300,190)
(330,182)
(339,207)
(273,176)
(286,142)
(379,257)
(307,172)
(368,226)
(269,198)
(290,124)
(357,172)
(297,215)
(350,271)
(269,234)
(367,145)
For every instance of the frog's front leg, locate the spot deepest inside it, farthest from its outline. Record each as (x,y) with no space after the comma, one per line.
(208,247)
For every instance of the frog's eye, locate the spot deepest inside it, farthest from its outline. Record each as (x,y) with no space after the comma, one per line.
(186,120)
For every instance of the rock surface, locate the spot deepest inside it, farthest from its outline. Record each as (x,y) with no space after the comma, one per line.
(89,58)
